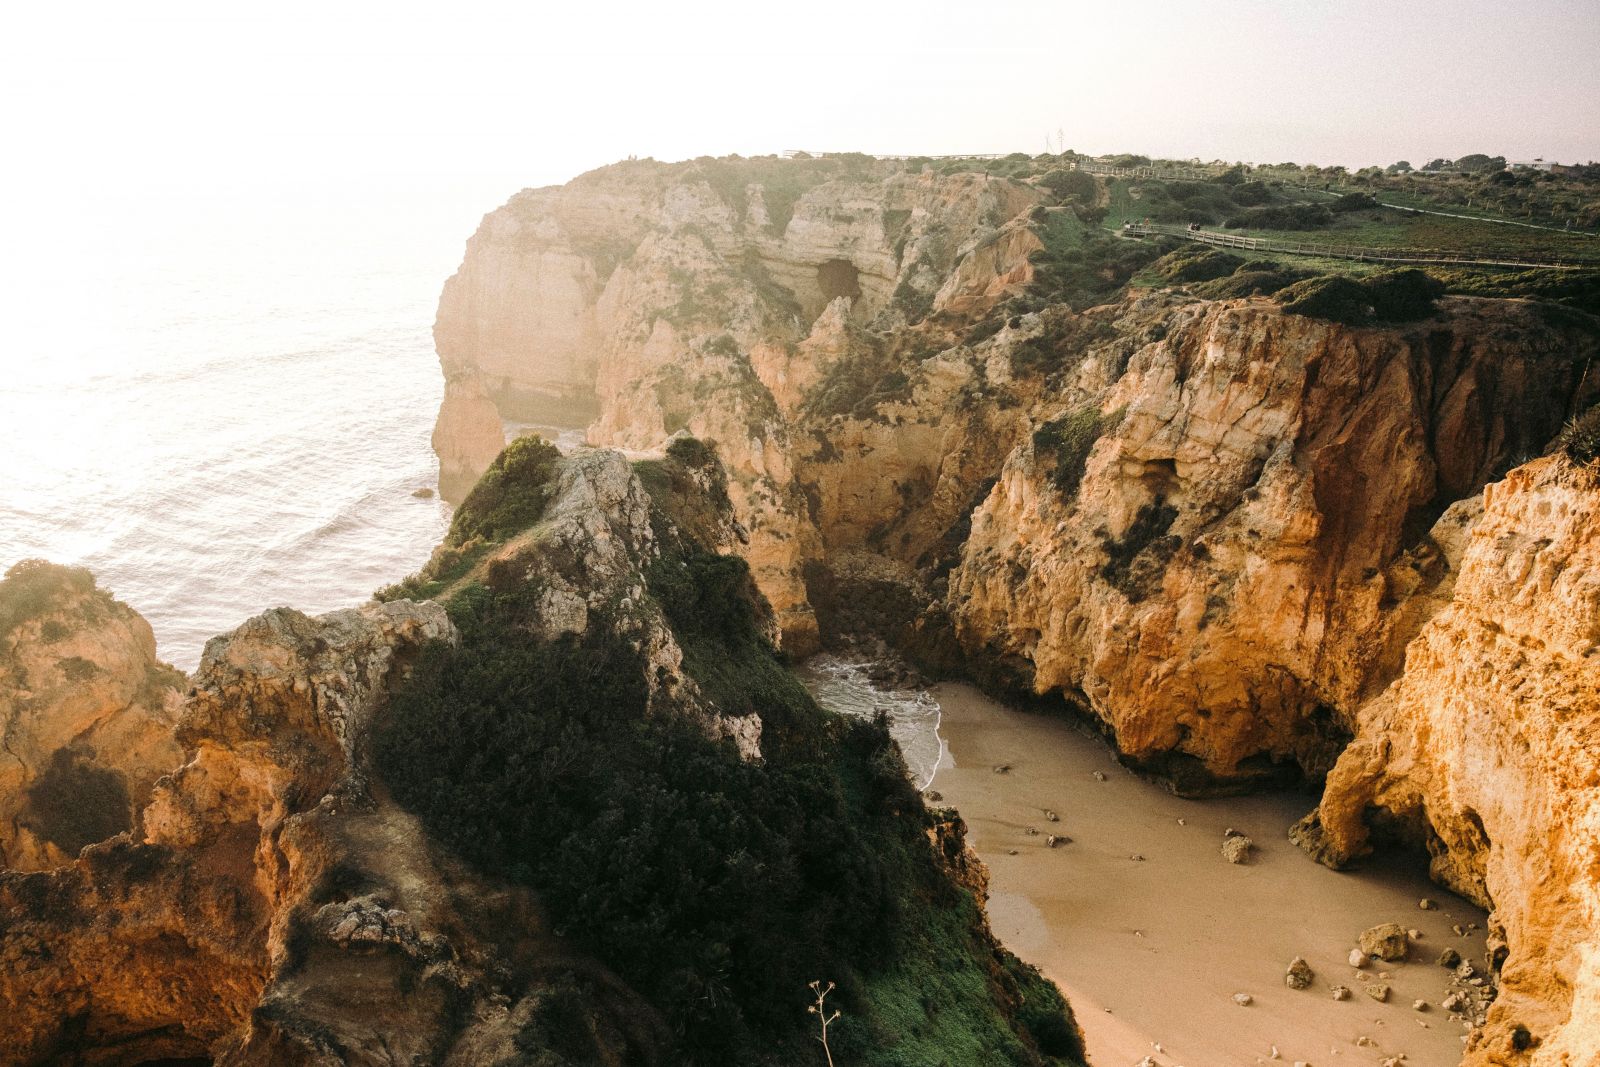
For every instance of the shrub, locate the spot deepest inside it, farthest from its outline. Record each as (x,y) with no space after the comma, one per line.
(33,587)
(1580,438)
(1136,560)
(1197,265)
(1070,184)
(511,495)
(1352,202)
(1390,296)
(1245,282)
(1068,439)
(1281,217)
(1250,194)
(76,803)
(1403,295)
(1329,296)
(714,886)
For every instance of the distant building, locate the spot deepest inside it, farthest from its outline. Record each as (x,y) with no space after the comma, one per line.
(1531,164)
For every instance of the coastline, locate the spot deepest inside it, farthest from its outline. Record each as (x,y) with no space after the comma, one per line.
(1150,951)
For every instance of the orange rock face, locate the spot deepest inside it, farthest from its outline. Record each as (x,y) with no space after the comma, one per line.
(1220,588)
(1489,744)
(86,715)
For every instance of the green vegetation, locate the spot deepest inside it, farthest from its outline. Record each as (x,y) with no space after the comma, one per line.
(1061,345)
(33,587)
(1283,217)
(1069,439)
(511,495)
(1580,438)
(1083,266)
(716,887)
(1389,296)
(1074,185)
(1197,263)
(1578,289)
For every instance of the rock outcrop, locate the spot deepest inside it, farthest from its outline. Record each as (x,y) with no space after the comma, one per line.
(216,929)
(1487,747)
(86,715)
(635,293)
(1219,588)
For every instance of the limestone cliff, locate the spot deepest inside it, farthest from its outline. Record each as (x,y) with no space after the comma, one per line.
(1487,746)
(1252,495)
(636,293)
(86,715)
(1218,528)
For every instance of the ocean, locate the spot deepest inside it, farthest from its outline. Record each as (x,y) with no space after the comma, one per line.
(223,404)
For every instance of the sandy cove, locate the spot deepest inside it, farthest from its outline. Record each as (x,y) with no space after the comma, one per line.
(1151,951)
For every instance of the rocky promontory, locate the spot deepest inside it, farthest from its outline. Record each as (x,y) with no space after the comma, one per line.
(568,807)
(1216,507)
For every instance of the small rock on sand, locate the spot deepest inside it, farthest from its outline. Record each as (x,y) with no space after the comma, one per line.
(1419,1005)
(1358,958)
(1052,816)
(934,795)
(1242,999)
(1387,941)
(1137,858)
(1378,991)
(1002,768)
(1236,849)
(1450,958)
(1341,992)
(1299,975)
(1426,904)
(1415,935)
(1099,776)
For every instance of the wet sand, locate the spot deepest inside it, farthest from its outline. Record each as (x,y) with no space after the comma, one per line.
(1151,952)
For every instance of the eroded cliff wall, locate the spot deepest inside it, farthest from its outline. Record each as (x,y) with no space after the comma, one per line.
(1218,528)
(1487,747)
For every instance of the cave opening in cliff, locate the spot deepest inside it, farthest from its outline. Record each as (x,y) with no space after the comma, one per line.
(838,277)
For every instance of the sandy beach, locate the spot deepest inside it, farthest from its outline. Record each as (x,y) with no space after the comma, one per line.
(1151,932)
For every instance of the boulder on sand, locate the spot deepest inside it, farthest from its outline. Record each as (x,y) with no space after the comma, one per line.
(1387,941)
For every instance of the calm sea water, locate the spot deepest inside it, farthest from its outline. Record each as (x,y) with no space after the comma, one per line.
(222,405)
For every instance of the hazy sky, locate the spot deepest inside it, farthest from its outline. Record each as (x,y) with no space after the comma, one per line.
(179,94)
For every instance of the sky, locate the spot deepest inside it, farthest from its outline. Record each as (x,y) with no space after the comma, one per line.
(179,95)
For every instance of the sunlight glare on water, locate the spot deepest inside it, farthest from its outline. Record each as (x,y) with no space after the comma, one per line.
(222,406)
